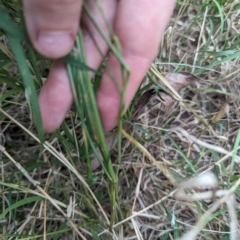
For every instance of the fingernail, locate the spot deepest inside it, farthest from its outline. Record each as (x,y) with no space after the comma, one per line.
(54,44)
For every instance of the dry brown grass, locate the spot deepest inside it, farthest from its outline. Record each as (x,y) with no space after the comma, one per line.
(196,134)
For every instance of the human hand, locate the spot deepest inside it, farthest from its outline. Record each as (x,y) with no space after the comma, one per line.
(52,26)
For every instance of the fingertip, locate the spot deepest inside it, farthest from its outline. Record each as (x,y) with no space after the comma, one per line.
(52,25)
(55,97)
(54,44)
(109,110)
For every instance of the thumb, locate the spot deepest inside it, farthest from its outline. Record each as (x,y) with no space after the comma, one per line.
(52,25)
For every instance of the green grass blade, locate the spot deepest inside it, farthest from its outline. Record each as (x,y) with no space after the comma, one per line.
(69,59)
(19,204)
(182,153)
(235,149)
(12,28)
(29,83)
(10,93)
(88,99)
(106,39)
(220,10)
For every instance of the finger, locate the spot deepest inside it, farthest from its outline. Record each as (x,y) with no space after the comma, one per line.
(139,24)
(56,97)
(95,46)
(52,25)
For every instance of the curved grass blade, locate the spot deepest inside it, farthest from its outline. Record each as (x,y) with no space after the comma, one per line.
(106,39)
(10,93)
(69,59)
(15,33)
(19,204)
(28,82)
(12,28)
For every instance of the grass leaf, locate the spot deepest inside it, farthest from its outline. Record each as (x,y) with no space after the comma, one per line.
(19,204)
(29,84)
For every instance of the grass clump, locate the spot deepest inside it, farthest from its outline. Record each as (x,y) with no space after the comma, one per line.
(140,187)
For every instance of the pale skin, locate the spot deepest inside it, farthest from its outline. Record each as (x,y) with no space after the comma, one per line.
(52,26)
